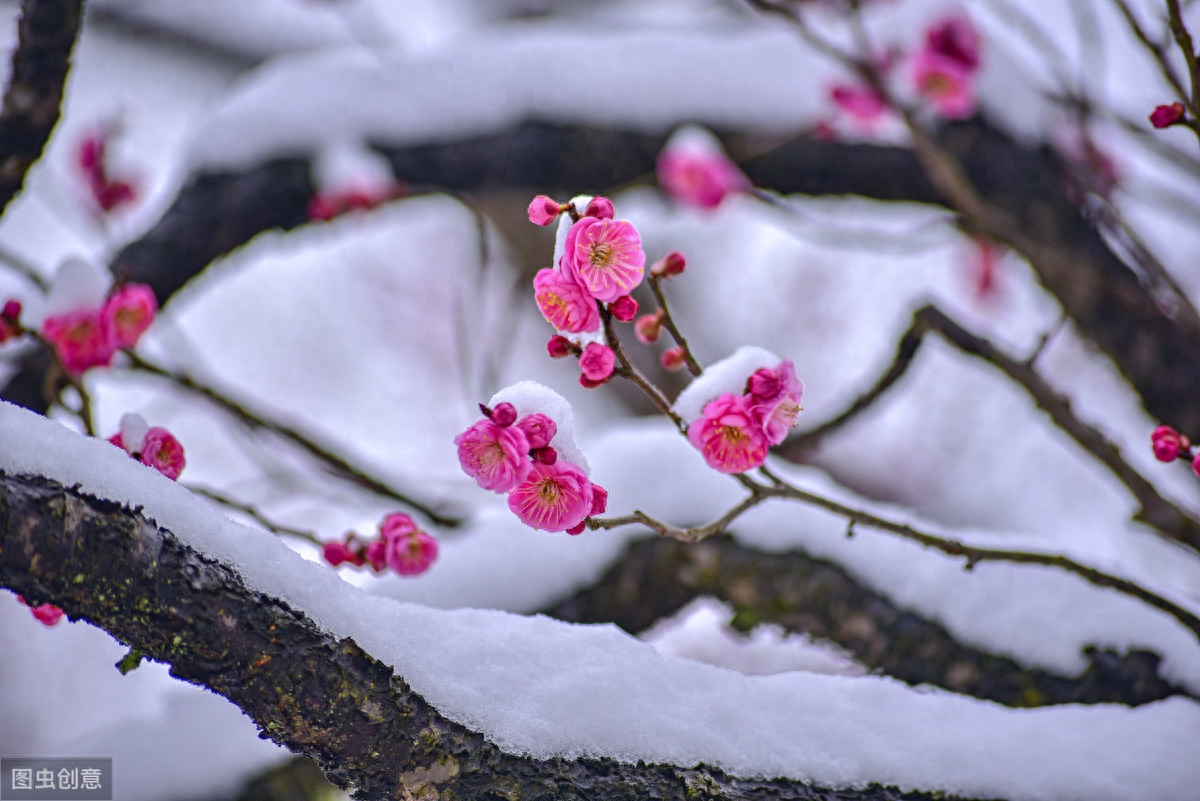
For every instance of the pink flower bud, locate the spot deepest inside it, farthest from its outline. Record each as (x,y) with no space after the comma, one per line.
(1163,431)
(764,383)
(648,327)
(539,430)
(671,264)
(588,383)
(546,455)
(12,310)
(600,207)
(559,347)
(597,362)
(1166,116)
(375,555)
(336,553)
(47,614)
(79,339)
(624,308)
(673,359)
(504,415)
(1196,465)
(543,210)
(1166,449)
(599,500)
(497,458)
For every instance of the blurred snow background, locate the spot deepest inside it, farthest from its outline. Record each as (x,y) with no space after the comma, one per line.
(378,332)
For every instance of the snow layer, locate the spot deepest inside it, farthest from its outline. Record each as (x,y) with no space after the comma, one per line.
(540,687)
(729,375)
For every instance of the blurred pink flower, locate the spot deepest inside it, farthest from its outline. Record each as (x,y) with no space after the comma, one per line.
(564,303)
(127,314)
(861,103)
(648,327)
(605,257)
(728,437)
(699,178)
(80,340)
(406,549)
(163,452)
(543,210)
(624,308)
(106,192)
(1166,116)
(556,497)
(496,457)
(945,83)
(955,38)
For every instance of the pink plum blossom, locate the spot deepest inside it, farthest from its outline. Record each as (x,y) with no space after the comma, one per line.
(556,497)
(861,103)
(495,456)
(564,303)
(955,38)
(728,436)
(1167,444)
(339,553)
(163,452)
(945,83)
(539,430)
(605,257)
(127,314)
(1196,465)
(559,347)
(597,362)
(673,263)
(773,400)
(406,549)
(673,359)
(107,193)
(504,415)
(80,340)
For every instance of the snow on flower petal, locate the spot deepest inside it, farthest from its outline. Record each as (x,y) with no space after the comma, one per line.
(564,303)
(128,313)
(727,436)
(556,497)
(495,456)
(605,257)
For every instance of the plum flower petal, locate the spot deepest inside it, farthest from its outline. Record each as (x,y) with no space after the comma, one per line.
(406,549)
(539,430)
(597,362)
(727,436)
(955,38)
(564,303)
(605,257)
(555,498)
(497,458)
(694,169)
(543,210)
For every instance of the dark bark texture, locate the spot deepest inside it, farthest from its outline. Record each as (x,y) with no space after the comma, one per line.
(803,594)
(46,34)
(317,696)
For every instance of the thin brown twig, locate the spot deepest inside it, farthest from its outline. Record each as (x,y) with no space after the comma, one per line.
(337,464)
(629,371)
(693,534)
(668,322)
(1156,50)
(256,514)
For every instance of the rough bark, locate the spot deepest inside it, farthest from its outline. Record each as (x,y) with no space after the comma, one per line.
(45,36)
(318,696)
(657,577)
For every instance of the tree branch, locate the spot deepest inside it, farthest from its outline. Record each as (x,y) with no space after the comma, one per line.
(321,697)
(46,35)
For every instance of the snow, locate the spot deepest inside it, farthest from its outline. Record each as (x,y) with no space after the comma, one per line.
(544,688)
(729,375)
(530,397)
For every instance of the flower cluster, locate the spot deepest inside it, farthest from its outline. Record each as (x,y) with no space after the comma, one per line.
(401,546)
(943,69)
(90,337)
(507,453)
(1169,445)
(154,447)
(107,193)
(734,432)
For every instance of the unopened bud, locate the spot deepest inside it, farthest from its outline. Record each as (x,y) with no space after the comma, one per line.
(674,359)
(12,310)
(504,415)
(600,207)
(559,347)
(546,455)
(624,308)
(671,264)
(648,327)
(543,210)
(1166,116)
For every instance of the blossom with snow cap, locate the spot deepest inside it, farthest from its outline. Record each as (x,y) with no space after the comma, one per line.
(773,397)
(152,446)
(694,169)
